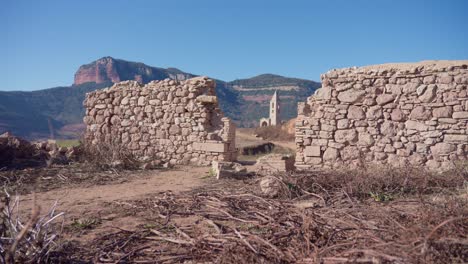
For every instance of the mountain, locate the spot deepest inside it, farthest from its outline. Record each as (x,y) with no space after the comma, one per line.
(108,69)
(58,112)
(44,113)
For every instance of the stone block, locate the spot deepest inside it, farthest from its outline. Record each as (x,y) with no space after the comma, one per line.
(460,115)
(351,96)
(210,146)
(456,138)
(312,151)
(385,99)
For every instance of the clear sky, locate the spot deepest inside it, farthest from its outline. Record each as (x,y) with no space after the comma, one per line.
(44,42)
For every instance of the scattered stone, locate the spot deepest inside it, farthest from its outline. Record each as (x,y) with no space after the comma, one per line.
(272,187)
(225,170)
(274,163)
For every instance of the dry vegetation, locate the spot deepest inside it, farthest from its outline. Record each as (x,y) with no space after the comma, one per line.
(278,133)
(372,215)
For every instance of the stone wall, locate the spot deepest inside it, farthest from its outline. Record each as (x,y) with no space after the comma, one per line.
(397,114)
(175,122)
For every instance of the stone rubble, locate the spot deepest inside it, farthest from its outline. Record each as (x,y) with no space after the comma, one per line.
(409,114)
(274,163)
(169,122)
(228,170)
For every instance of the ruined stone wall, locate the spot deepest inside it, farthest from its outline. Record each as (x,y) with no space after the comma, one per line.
(395,114)
(175,122)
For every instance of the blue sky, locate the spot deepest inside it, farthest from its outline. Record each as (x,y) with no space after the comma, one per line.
(44,42)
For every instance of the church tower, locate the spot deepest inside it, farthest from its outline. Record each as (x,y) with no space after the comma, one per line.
(275,110)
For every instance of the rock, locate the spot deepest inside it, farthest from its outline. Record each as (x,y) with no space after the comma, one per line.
(274,163)
(365,139)
(100,106)
(456,138)
(342,123)
(207,99)
(224,170)
(460,115)
(420,113)
(125,123)
(397,115)
(141,101)
(374,113)
(356,112)
(414,125)
(350,153)
(272,187)
(351,96)
(323,93)
(387,129)
(442,112)
(428,94)
(57,157)
(174,130)
(331,154)
(345,135)
(312,151)
(385,99)
(442,149)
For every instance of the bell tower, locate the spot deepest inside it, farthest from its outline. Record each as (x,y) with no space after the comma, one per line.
(275,110)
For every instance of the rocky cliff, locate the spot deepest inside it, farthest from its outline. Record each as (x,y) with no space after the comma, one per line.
(108,69)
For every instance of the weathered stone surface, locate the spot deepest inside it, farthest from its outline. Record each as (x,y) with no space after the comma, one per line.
(323,93)
(227,170)
(271,186)
(173,122)
(365,139)
(460,115)
(415,114)
(356,112)
(207,99)
(351,96)
(210,146)
(312,151)
(345,135)
(385,99)
(388,129)
(442,112)
(414,125)
(374,113)
(397,115)
(273,163)
(420,113)
(428,94)
(442,149)
(331,154)
(456,138)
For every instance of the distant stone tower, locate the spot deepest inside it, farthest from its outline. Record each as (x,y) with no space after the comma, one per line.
(274,112)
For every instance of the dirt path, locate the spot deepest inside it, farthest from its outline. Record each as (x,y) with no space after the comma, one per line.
(80,200)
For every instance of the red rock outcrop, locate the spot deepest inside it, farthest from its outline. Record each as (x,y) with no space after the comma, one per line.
(100,71)
(108,69)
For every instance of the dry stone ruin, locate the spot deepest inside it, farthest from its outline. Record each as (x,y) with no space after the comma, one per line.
(165,122)
(396,114)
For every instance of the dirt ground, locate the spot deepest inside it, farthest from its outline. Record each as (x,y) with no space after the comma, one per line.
(185,215)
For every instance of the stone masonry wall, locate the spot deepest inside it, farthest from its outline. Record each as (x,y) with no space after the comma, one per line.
(397,114)
(175,122)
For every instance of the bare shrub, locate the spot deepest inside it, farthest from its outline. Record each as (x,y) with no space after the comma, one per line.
(30,242)
(105,155)
(364,182)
